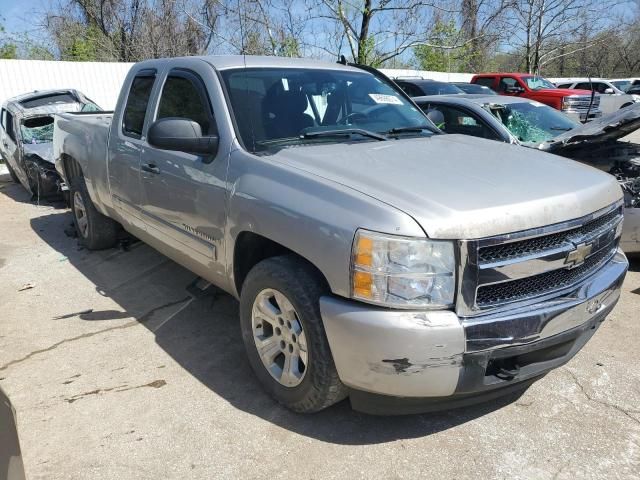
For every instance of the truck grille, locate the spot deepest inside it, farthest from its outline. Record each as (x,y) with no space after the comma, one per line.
(536,245)
(538,263)
(540,284)
(580,103)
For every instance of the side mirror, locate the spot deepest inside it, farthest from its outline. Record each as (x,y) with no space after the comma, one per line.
(181,135)
(609,91)
(515,90)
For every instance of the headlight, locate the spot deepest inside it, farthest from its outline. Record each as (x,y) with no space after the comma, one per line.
(402,272)
(636,98)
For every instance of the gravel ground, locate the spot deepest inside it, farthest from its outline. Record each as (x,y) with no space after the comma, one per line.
(115,372)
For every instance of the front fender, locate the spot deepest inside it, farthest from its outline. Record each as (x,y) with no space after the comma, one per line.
(309,215)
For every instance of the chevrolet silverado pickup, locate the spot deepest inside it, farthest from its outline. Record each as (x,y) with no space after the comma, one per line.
(373,256)
(582,105)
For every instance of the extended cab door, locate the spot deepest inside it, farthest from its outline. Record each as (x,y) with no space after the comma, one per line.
(125,146)
(185,194)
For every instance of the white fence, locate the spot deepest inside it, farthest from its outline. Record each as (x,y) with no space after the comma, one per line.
(100,82)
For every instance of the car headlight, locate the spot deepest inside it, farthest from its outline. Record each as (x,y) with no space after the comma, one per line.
(636,98)
(402,272)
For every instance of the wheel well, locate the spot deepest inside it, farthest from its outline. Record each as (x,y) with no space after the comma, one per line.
(251,248)
(71,168)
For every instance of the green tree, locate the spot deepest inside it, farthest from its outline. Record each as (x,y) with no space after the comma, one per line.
(444,53)
(8,49)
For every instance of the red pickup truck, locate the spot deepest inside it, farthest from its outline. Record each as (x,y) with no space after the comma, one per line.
(576,103)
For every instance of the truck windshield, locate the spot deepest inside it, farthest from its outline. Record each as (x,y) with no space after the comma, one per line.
(532,122)
(284,106)
(535,82)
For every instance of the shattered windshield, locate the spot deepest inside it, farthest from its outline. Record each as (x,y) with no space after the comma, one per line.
(275,107)
(532,122)
(37,130)
(538,83)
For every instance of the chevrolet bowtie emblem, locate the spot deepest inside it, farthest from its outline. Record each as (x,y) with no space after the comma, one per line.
(578,255)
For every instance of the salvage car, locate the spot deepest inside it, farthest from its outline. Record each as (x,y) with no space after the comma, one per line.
(534,125)
(373,256)
(26,135)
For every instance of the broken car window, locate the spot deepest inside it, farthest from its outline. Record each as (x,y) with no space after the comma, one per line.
(37,130)
(532,122)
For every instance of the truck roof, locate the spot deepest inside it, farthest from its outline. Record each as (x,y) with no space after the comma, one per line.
(224,62)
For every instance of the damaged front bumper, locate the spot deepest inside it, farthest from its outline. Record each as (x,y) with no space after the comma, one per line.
(398,362)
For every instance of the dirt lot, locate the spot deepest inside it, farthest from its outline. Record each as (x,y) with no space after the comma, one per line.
(116,372)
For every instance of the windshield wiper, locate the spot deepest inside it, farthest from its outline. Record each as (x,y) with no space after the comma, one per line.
(344,132)
(563,129)
(417,128)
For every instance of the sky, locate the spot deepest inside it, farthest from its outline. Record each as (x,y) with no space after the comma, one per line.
(16,14)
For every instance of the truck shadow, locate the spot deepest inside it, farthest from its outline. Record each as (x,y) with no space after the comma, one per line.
(203,336)
(17,193)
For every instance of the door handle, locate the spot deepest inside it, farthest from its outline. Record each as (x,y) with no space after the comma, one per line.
(150,167)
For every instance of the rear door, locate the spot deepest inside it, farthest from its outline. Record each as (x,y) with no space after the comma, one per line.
(125,147)
(184,194)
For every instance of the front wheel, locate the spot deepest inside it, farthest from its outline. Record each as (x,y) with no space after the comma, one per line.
(284,336)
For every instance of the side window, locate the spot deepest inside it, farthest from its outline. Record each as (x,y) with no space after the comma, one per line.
(410,89)
(600,87)
(3,113)
(583,86)
(564,85)
(506,82)
(455,120)
(485,81)
(184,95)
(9,125)
(136,107)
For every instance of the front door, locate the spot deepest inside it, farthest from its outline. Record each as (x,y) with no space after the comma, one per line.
(184,194)
(125,149)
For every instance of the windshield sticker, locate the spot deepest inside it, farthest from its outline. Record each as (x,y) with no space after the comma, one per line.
(388,99)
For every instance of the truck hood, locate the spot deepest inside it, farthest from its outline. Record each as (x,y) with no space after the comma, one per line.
(461,187)
(42,150)
(610,127)
(561,92)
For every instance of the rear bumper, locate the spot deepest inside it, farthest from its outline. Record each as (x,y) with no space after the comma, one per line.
(407,361)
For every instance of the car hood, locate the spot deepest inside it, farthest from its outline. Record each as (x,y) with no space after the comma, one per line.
(42,150)
(461,187)
(610,127)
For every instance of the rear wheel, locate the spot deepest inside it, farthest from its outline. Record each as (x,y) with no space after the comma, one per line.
(284,336)
(95,231)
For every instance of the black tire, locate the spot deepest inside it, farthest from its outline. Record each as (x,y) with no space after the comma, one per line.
(320,386)
(12,174)
(101,232)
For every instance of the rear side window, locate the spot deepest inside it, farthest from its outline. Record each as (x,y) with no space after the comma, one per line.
(2,115)
(137,102)
(454,120)
(485,81)
(184,96)
(9,125)
(410,89)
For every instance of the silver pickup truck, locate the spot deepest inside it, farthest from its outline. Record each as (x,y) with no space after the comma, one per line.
(373,256)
